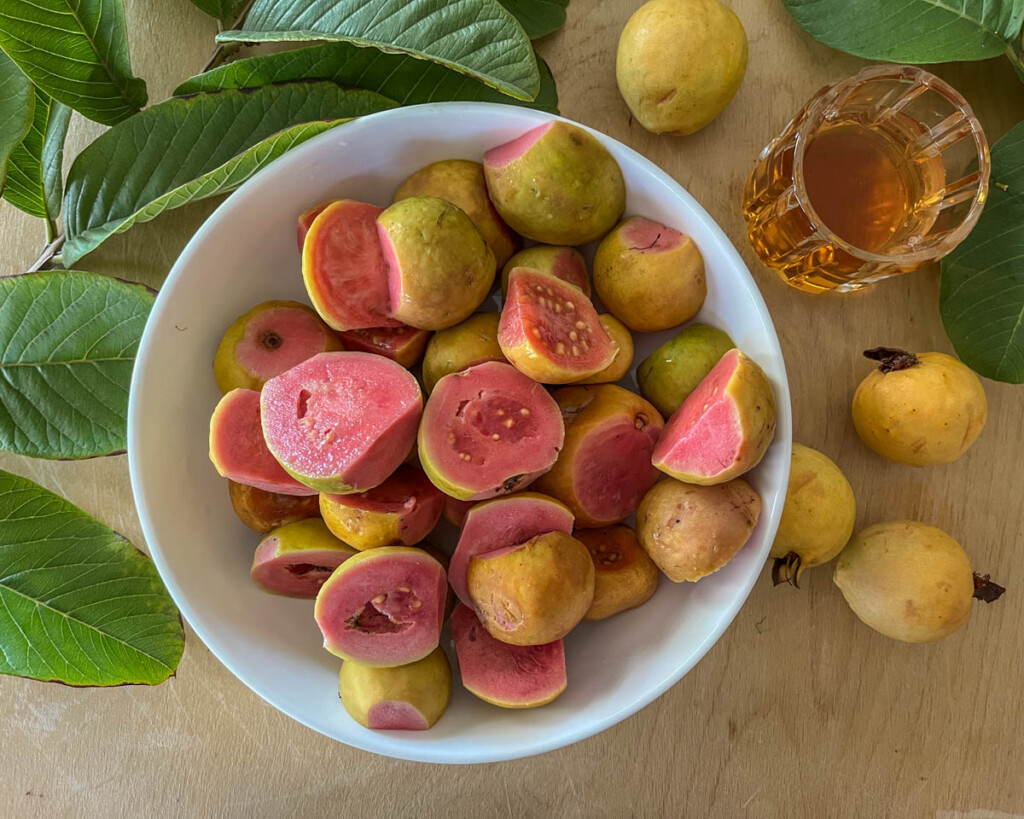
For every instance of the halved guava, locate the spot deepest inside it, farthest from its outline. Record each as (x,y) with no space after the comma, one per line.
(500,523)
(565,263)
(723,427)
(624,574)
(263,511)
(409,697)
(296,559)
(550,331)
(487,431)
(238,450)
(306,219)
(343,267)
(401,511)
(604,468)
(383,607)
(503,674)
(404,344)
(341,422)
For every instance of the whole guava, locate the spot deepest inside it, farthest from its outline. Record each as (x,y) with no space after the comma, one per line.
(469,342)
(669,374)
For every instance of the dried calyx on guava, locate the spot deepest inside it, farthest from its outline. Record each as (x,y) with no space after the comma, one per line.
(403,345)
(624,575)
(262,510)
(410,697)
(565,263)
(472,341)
(296,559)
(669,374)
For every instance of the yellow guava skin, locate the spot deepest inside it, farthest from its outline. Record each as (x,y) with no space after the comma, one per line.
(927,414)
(543,258)
(669,374)
(624,576)
(907,580)
(426,685)
(470,342)
(679,63)
(361,528)
(622,343)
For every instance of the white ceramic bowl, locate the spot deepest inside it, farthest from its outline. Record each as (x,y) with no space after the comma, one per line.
(246,253)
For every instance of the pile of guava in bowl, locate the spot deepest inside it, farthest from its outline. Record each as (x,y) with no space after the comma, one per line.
(348,429)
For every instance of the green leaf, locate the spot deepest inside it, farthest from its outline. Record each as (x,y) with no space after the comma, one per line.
(912,31)
(222,10)
(34,173)
(16,103)
(77,52)
(397,76)
(538,17)
(475,37)
(182,150)
(78,603)
(982,294)
(68,342)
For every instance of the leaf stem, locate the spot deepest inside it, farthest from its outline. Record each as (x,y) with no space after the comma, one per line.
(1015,58)
(225,51)
(49,257)
(51,229)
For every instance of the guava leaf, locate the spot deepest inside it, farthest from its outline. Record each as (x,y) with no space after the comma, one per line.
(78,603)
(397,76)
(222,10)
(77,52)
(68,343)
(182,150)
(16,103)
(981,297)
(912,31)
(538,17)
(475,37)
(34,172)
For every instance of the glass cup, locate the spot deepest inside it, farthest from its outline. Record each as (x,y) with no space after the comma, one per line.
(879,174)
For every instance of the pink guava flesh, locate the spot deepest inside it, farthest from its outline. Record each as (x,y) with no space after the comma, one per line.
(646,236)
(500,524)
(294,574)
(383,611)
(503,154)
(613,470)
(342,422)
(278,339)
(408,494)
(503,674)
(403,344)
(306,219)
(238,450)
(393,715)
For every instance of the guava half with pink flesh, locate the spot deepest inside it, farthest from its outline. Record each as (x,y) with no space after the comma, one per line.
(343,267)
(488,430)
(502,674)
(402,344)
(341,422)
(296,559)
(306,219)
(238,450)
(502,523)
(724,426)
(383,607)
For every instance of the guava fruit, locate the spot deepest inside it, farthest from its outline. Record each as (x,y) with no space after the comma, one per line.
(501,523)
(469,342)
(906,580)
(692,531)
(306,219)
(624,576)
(462,183)
(818,517)
(409,697)
(532,593)
(502,674)
(263,511)
(238,450)
(383,607)
(439,268)
(649,276)
(679,63)
(724,426)
(404,345)
(669,374)
(441,557)
(622,344)
(272,337)
(344,269)
(341,422)
(556,184)
(919,409)
(296,559)
(455,510)
(550,331)
(604,468)
(565,263)
(401,511)
(488,430)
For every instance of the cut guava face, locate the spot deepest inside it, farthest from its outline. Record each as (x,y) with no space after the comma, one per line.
(238,450)
(502,523)
(724,426)
(550,331)
(306,219)
(263,511)
(383,607)
(409,697)
(296,559)
(502,674)
(404,345)
(488,430)
(565,263)
(344,269)
(341,422)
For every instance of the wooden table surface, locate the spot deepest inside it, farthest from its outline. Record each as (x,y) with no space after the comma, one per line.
(799,710)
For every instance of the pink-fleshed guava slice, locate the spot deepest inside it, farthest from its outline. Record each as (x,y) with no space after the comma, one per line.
(502,674)
(724,426)
(383,607)
(238,451)
(488,430)
(500,156)
(296,559)
(343,267)
(306,219)
(341,422)
(402,344)
(503,523)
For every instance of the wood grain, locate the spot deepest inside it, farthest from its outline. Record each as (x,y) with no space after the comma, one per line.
(798,711)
